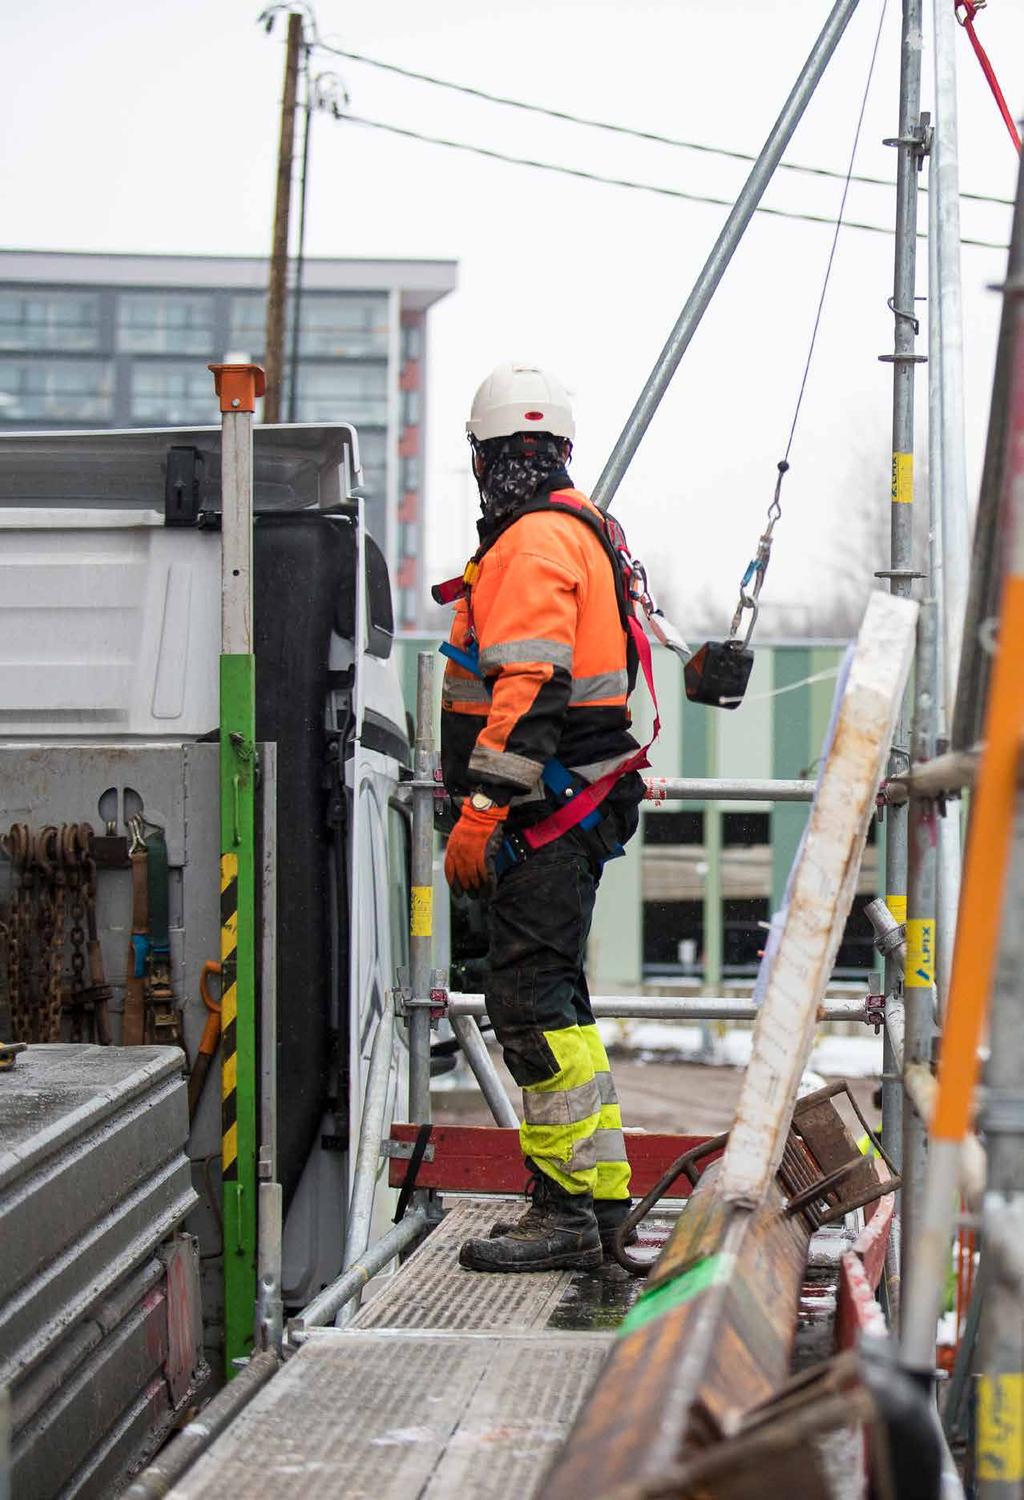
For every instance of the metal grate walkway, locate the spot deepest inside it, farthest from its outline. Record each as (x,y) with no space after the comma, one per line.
(449,1383)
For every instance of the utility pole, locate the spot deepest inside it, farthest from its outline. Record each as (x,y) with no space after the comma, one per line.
(277,291)
(910,143)
(300,258)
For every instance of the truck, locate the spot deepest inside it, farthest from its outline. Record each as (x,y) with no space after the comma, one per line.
(110,909)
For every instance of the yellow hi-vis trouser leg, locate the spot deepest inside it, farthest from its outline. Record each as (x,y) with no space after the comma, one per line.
(562,1114)
(613,1168)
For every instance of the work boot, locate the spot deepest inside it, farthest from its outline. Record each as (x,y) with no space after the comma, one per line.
(557,1232)
(609,1213)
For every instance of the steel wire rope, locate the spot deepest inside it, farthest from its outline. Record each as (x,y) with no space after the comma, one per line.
(630,131)
(753,578)
(625,182)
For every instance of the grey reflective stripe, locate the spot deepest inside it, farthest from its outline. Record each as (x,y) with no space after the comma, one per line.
(611,1145)
(510,653)
(598,768)
(465,690)
(504,766)
(561,1106)
(584,1155)
(604,685)
(606,1088)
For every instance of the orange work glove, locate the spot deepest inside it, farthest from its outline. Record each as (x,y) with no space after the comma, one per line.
(473,846)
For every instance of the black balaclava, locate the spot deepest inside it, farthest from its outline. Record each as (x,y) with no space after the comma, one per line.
(516,468)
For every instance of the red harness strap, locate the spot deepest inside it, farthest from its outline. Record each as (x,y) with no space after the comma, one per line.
(590,799)
(970,10)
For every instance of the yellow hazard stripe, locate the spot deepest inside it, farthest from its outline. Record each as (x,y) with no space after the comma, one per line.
(229,1014)
(229,1153)
(229,1075)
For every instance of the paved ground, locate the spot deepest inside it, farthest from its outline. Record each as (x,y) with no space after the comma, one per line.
(682,1097)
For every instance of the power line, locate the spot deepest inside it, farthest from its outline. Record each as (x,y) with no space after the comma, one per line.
(625,130)
(625,182)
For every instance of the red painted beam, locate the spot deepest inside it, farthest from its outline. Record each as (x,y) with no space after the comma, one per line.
(873,1240)
(486,1159)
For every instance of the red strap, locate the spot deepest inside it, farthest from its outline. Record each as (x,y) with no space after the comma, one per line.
(450,591)
(587,801)
(969,8)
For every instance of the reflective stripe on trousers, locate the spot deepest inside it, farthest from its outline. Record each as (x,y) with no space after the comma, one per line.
(572,1127)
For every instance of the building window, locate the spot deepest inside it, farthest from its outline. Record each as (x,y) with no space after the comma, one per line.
(172,395)
(56,390)
(343,393)
(411,478)
(346,326)
(411,407)
(165,323)
(857,954)
(674,828)
(412,339)
(65,321)
(673,937)
(248,325)
(745,830)
(743,935)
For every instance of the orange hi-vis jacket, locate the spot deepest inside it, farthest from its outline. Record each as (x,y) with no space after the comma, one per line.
(543,608)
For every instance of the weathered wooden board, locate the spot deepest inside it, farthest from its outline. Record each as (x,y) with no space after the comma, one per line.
(821,890)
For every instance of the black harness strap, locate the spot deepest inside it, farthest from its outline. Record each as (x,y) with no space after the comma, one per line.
(412,1171)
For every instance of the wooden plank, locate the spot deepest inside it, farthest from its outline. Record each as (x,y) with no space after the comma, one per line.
(486,1159)
(801,954)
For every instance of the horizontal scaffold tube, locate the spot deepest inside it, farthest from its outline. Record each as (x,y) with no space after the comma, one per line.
(946,773)
(718,789)
(193,1440)
(674,1008)
(326,1304)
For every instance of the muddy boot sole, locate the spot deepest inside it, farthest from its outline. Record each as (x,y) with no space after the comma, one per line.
(479,1255)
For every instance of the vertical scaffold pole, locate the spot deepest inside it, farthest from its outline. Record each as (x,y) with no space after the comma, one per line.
(238,386)
(919,967)
(421,917)
(900,572)
(979,928)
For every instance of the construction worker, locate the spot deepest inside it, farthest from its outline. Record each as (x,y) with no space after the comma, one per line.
(541,663)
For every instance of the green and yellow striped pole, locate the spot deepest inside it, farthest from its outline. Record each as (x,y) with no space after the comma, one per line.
(238,387)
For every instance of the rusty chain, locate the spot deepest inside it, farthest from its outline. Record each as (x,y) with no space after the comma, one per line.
(16,844)
(52,890)
(53,877)
(72,851)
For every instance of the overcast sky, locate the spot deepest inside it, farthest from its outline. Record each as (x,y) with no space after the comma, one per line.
(152,127)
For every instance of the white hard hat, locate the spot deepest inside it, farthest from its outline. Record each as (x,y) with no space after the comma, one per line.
(520,398)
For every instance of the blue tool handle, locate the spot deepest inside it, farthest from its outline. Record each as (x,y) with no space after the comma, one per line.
(469,660)
(140,948)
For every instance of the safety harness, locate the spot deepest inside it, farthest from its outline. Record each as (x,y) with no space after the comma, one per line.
(580,801)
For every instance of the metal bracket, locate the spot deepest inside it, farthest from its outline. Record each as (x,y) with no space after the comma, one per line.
(919,141)
(907,574)
(899,312)
(402,1150)
(902,359)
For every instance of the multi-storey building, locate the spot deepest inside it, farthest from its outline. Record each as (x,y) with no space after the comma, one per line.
(123,341)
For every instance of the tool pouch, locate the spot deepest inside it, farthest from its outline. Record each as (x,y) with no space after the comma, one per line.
(717,674)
